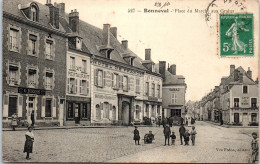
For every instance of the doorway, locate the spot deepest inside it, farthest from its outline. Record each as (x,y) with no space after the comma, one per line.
(236,118)
(77,113)
(245,119)
(12,107)
(125,113)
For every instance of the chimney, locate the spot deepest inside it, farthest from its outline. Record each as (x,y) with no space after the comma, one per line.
(249,72)
(61,7)
(113,30)
(173,69)
(74,20)
(168,67)
(232,69)
(106,34)
(54,14)
(147,54)
(162,68)
(125,44)
(256,81)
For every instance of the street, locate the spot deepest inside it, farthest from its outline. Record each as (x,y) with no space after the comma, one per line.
(213,144)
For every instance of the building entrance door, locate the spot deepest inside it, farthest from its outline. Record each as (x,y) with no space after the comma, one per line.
(245,119)
(61,110)
(125,113)
(236,118)
(12,108)
(77,113)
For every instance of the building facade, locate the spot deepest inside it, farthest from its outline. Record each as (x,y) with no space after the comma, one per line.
(34,62)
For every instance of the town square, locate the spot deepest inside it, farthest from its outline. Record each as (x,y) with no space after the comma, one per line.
(116,81)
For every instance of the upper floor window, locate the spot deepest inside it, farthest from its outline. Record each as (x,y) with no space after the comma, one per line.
(147,89)
(137,86)
(244,89)
(13,74)
(32,44)
(174,98)
(33,13)
(49,80)
(253,102)
(125,83)
(72,63)
(98,79)
(115,81)
(78,43)
(32,77)
(159,91)
(153,90)
(14,40)
(72,85)
(84,87)
(49,49)
(84,66)
(236,102)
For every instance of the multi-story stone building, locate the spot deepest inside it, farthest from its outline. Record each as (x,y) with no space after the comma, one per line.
(235,100)
(174,91)
(34,61)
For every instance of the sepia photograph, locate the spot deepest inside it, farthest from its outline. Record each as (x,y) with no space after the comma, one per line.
(130,81)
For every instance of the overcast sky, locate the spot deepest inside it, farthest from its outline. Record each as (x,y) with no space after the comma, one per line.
(184,39)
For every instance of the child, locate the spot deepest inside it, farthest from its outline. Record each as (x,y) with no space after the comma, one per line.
(148,138)
(193,134)
(173,138)
(28,146)
(14,121)
(186,137)
(254,145)
(136,135)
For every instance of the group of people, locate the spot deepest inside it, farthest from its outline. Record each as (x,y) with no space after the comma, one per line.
(14,122)
(184,134)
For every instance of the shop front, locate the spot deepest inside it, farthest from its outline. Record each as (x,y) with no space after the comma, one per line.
(244,116)
(77,110)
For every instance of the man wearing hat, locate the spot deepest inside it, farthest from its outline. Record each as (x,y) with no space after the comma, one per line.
(136,135)
(167,133)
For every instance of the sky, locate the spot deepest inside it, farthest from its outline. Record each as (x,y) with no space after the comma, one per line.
(178,37)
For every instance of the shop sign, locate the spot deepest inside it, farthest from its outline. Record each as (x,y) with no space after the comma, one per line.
(245,101)
(107,97)
(31,91)
(174,89)
(152,98)
(78,74)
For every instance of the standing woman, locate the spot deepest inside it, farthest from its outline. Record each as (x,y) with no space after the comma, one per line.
(14,121)
(28,146)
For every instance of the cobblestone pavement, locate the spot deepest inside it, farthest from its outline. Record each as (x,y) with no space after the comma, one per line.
(117,145)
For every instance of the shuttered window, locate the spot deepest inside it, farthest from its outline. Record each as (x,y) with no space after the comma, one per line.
(14,39)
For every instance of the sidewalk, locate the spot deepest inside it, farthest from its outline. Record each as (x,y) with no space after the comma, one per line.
(230,126)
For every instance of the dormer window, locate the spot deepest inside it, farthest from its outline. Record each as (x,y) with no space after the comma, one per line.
(132,61)
(33,13)
(78,43)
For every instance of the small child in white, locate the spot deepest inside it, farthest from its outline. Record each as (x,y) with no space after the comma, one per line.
(193,134)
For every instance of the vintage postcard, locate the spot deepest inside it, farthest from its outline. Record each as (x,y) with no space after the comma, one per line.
(130,81)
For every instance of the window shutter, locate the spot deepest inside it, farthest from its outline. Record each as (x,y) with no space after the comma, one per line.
(43,107)
(20,106)
(54,108)
(120,81)
(105,80)
(68,85)
(80,86)
(128,83)
(30,46)
(101,111)
(87,87)
(95,77)
(76,85)
(6,102)
(113,80)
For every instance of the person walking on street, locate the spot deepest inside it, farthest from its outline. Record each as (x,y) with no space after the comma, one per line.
(32,118)
(187,137)
(28,146)
(193,134)
(167,133)
(14,121)
(173,138)
(182,131)
(255,147)
(136,135)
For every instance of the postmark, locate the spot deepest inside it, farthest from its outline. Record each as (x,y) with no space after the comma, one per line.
(236,35)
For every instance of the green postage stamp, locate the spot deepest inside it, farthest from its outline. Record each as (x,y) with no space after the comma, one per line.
(236,35)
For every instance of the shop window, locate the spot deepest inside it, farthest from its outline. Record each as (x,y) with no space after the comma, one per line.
(72,63)
(244,89)
(32,78)
(253,102)
(153,90)
(72,85)
(70,110)
(14,40)
(48,107)
(12,106)
(85,110)
(84,66)
(49,50)
(132,61)
(137,86)
(49,80)
(147,89)
(174,98)
(125,83)
(159,91)
(254,117)
(236,102)
(13,74)
(32,45)
(84,87)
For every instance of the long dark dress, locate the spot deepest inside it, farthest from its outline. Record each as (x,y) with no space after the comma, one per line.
(136,135)
(28,146)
